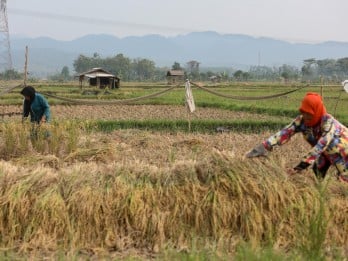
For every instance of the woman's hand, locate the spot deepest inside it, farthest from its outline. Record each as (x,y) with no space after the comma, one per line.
(298,169)
(258,151)
(301,166)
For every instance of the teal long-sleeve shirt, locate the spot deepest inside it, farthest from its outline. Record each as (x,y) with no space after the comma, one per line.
(38,109)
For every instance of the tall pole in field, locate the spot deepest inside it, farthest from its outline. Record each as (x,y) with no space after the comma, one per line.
(26,66)
(5,50)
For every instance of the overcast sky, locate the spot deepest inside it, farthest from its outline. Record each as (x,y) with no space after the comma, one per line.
(306,21)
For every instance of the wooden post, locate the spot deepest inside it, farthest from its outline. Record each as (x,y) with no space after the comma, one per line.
(80,81)
(98,82)
(26,66)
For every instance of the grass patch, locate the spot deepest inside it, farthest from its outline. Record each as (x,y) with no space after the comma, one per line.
(202,126)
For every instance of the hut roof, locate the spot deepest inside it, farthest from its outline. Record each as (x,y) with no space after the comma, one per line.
(175,73)
(97,72)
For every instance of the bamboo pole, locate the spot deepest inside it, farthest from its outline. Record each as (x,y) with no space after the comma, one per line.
(26,66)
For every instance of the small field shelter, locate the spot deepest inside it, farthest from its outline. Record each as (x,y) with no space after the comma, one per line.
(100,78)
(175,76)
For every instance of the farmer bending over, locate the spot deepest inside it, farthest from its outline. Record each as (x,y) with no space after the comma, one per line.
(326,135)
(36,106)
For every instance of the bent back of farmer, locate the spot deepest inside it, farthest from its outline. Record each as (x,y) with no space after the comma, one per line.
(35,105)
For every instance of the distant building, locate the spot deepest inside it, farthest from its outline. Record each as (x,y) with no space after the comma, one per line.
(100,78)
(215,78)
(175,76)
(193,66)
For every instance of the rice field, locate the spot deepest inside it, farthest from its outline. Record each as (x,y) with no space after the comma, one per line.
(138,112)
(143,193)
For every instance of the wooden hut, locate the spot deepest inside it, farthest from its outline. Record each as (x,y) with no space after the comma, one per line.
(100,78)
(175,76)
(215,78)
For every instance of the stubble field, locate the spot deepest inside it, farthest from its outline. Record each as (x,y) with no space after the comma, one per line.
(160,194)
(137,112)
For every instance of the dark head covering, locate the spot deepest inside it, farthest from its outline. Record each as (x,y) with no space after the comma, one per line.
(29,91)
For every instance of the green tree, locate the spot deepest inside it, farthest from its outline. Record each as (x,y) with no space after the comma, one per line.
(327,67)
(342,64)
(83,63)
(65,73)
(223,75)
(176,66)
(120,66)
(11,74)
(246,76)
(309,69)
(288,72)
(238,75)
(143,69)
(193,67)
(263,73)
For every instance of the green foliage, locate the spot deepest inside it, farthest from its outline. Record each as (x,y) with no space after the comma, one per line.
(238,75)
(11,74)
(176,66)
(247,252)
(202,126)
(191,256)
(63,76)
(123,67)
(331,69)
(312,247)
(145,70)
(284,107)
(65,73)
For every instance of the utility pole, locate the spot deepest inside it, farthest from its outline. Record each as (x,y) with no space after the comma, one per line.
(5,50)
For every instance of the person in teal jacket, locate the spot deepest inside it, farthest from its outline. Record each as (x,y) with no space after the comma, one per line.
(35,105)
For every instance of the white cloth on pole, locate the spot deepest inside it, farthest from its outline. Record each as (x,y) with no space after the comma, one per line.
(189,97)
(345,85)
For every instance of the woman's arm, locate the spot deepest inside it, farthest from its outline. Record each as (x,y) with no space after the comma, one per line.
(284,135)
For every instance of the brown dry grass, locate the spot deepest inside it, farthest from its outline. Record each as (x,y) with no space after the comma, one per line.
(138,190)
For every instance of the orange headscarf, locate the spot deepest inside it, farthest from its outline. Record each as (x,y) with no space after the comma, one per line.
(313,104)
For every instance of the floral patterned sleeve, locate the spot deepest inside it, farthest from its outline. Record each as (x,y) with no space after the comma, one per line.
(328,133)
(284,135)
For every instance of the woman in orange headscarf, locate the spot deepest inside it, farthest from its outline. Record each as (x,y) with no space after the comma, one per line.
(312,109)
(326,135)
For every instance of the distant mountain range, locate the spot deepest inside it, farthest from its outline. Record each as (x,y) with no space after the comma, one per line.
(48,56)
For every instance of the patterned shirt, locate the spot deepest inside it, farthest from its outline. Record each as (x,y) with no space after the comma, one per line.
(329,140)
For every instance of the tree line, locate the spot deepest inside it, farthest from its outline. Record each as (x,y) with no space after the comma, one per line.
(123,67)
(145,70)
(141,69)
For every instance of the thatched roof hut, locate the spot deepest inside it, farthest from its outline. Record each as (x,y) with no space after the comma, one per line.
(175,76)
(100,78)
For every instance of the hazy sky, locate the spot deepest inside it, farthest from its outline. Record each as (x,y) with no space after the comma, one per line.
(307,21)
